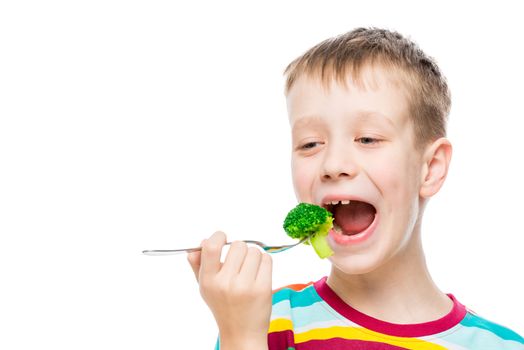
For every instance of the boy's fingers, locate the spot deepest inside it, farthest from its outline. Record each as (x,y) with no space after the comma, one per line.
(251,264)
(194,260)
(234,258)
(210,254)
(264,271)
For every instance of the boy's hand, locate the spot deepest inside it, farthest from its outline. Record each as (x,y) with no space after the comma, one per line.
(238,291)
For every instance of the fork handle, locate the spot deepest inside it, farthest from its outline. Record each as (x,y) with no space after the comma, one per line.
(158,252)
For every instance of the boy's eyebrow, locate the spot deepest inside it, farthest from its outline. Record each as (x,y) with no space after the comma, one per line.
(359,115)
(374,115)
(306,120)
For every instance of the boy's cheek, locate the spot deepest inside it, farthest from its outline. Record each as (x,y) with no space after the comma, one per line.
(398,185)
(390,175)
(300,186)
(302,182)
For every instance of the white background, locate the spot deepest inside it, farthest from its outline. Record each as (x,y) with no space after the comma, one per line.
(131,125)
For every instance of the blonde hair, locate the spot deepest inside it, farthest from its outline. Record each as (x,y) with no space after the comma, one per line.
(345,55)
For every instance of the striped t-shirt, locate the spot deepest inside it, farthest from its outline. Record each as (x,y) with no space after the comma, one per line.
(311,316)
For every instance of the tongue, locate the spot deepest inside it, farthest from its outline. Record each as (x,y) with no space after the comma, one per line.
(354,217)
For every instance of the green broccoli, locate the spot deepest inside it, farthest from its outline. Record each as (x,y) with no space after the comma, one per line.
(309,220)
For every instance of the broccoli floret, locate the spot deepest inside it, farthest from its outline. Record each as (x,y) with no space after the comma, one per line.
(309,220)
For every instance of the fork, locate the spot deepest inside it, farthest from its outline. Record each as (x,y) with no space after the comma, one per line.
(267,248)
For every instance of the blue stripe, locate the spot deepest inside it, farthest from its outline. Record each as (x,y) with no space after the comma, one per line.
(305,297)
(478,338)
(502,332)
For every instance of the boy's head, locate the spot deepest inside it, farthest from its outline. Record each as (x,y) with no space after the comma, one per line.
(415,73)
(368,114)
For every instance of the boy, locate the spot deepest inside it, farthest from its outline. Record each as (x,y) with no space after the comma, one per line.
(368,114)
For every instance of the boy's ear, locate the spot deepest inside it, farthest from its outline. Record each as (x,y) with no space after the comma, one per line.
(435,165)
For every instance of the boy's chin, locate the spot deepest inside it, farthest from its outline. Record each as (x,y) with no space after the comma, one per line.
(356,264)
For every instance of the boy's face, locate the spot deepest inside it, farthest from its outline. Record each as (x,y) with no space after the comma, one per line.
(357,144)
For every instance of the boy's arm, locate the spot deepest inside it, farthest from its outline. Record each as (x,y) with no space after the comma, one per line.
(237,291)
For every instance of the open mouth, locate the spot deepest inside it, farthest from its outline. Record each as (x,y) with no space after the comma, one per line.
(351,217)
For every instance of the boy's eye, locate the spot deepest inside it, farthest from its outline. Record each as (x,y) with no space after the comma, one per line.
(309,145)
(368,140)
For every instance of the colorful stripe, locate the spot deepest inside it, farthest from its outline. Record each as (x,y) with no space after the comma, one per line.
(280,324)
(311,316)
(353,333)
(472,320)
(295,287)
(345,344)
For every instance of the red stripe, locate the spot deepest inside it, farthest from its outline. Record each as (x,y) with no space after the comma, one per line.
(344,344)
(296,287)
(280,340)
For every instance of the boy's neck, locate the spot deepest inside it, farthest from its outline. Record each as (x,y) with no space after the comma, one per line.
(401,292)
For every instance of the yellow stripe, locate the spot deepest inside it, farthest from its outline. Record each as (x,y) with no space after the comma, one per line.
(280,324)
(361,334)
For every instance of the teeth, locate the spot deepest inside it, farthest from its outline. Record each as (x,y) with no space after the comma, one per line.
(337,202)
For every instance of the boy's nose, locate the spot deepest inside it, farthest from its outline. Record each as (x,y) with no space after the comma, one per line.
(338,165)
(335,175)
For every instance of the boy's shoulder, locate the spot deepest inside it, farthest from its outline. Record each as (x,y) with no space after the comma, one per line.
(297,294)
(486,330)
(293,288)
